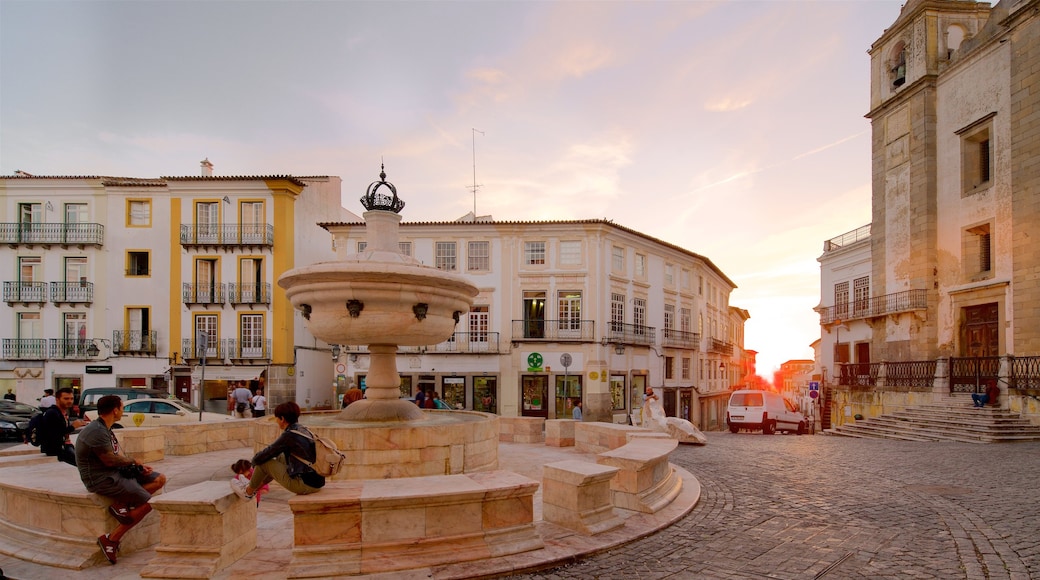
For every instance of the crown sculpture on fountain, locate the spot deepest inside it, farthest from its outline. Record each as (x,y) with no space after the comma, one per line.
(380,298)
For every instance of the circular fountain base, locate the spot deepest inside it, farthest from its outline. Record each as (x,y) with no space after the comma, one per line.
(440,443)
(376,410)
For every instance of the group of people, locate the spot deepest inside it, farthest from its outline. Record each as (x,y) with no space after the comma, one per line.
(244,403)
(106,470)
(427,398)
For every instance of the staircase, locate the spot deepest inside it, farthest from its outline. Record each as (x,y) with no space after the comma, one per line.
(955,419)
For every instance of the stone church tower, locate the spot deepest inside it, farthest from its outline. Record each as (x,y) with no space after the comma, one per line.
(955,113)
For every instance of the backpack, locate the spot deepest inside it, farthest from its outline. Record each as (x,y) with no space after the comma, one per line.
(32,432)
(328,459)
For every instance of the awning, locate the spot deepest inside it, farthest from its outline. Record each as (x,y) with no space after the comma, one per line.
(226,373)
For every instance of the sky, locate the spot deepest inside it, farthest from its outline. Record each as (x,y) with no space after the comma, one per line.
(733,129)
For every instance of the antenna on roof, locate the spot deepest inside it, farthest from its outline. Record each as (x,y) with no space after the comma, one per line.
(475,185)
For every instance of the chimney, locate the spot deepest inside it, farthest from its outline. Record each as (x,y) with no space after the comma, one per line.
(207,168)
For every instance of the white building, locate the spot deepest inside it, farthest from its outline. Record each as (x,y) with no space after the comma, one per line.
(109,281)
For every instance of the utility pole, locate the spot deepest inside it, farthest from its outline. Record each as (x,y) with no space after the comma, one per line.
(475,185)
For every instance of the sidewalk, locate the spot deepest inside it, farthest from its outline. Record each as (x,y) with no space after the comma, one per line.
(274,524)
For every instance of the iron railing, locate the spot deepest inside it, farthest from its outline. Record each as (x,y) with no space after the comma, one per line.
(25,292)
(915,375)
(214,350)
(202,293)
(1025,372)
(227,235)
(570,329)
(52,233)
(70,348)
(680,339)
(468,342)
(249,349)
(249,293)
(858,234)
(859,374)
(720,347)
(134,342)
(621,333)
(970,375)
(25,349)
(894,303)
(72,292)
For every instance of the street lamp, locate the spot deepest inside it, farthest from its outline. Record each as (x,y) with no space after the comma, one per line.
(335,352)
(93,351)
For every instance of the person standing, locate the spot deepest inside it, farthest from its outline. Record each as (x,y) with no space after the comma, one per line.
(283,460)
(576,414)
(107,472)
(259,403)
(9,395)
(242,396)
(55,427)
(48,399)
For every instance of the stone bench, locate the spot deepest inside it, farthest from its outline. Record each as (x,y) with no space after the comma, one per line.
(203,529)
(146,444)
(521,429)
(25,459)
(48,517)
(645,481)
(386,525)
(192,438)
(594,437)
(576,495)
(559,432)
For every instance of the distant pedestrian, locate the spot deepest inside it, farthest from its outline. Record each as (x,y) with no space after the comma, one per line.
(48,399)
(989,397)
(242,396)
(352,395)
(576,414)
(9,395)
(259,403)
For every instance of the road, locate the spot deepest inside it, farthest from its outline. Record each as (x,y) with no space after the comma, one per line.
(827,507)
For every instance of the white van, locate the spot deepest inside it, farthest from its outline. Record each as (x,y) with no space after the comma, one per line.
(765,410)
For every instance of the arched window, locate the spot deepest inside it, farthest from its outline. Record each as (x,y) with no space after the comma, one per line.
(899,65)
(954,37)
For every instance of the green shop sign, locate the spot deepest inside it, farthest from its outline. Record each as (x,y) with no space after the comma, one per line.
(534,362)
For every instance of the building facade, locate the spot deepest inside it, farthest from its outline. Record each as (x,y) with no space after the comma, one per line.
(569,310)
(112,281)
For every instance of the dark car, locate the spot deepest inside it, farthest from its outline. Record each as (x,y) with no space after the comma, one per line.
(14,418)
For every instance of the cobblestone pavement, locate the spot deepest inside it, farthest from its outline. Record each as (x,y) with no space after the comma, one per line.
(826,507)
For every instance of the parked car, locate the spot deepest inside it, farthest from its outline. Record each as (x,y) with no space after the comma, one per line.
(765,410)
(440,404)
(14,419)
(154,412)
(89,398)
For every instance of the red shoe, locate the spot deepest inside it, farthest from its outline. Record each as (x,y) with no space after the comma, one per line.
(108,547)
(121,514)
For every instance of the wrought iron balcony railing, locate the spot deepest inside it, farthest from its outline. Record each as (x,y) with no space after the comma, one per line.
(81,234)
(215,350)
(859,374)
(25,292)
(249,349)
(680,339)
(905,301)
(618,332)
(25,349)
(131,342)
(554,330)
(72,292)
(70,348)
(720,347)
(848,238)
(249,293)
(468,342)
(259,235)
(202,293)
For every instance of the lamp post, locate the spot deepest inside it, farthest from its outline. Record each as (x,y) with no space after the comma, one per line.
(202,345)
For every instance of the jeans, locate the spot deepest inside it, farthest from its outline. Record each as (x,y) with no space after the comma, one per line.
(980,399)
(277,470)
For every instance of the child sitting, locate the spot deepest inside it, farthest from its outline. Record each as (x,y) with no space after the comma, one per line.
(243,470)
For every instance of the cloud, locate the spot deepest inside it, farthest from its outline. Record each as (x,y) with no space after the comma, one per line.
(726,104)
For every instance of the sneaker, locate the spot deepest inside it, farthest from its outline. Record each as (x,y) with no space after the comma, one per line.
(239,487)
(108,547)
(121,514)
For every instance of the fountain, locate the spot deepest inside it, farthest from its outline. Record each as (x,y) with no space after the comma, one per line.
(385,299)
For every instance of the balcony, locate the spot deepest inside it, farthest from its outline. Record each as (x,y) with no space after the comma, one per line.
(202,294)
(72,292)
(134,342)
(249,349)
(722,347)
(847,239)
(225,235)
(70,348)
(25,292)
(905,301)
(571,330)
(680,339)
(631,334)
(47,234)
(215,351)
(25,349)
(249,293)
(468,343)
